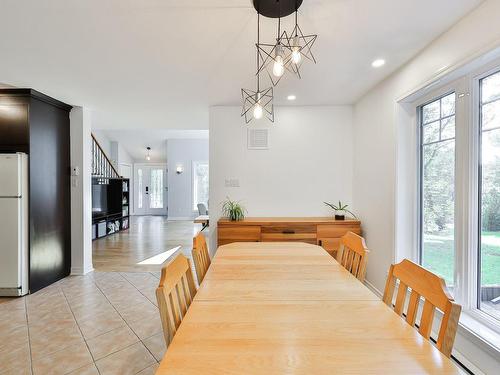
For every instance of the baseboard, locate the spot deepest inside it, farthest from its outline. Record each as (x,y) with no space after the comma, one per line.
(373,289)
(80,271)
(180,218)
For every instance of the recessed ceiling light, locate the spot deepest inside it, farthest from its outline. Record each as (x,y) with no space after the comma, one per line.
(291,97)
(378,63)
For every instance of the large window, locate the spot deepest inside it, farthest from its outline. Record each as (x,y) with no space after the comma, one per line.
(200,183)
(489,196)
(459,190)
(437,193)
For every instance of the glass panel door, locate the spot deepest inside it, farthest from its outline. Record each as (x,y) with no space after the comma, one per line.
(150,190)
(157,191)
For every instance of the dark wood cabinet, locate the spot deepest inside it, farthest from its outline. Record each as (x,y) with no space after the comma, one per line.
(38,125)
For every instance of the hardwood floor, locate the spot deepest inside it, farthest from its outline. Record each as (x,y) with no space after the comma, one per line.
(145,246)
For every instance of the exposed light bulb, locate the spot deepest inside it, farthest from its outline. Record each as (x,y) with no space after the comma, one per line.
(258,111)
(296,55)
(148,158)
(279,65)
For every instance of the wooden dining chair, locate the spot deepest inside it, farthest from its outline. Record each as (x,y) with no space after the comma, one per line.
(433,289)
(353,254)
(201,257)
(175,294)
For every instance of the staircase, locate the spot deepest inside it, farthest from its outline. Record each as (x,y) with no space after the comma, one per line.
(102,169)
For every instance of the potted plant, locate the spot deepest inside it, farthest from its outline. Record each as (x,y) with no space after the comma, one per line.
(340,210)
(234,211)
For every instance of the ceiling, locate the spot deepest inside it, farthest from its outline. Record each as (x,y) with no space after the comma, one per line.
(157,64)
(136,141)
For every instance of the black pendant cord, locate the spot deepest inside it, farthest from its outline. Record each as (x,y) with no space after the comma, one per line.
(296,22)
(258,59)
(279,23)
(279,30)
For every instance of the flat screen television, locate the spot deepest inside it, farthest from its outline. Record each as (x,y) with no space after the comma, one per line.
(99,199)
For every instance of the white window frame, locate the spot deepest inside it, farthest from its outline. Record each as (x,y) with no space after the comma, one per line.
(467,126)
(471,300)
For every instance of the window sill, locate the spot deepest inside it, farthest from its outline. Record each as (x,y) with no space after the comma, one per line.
(472,326)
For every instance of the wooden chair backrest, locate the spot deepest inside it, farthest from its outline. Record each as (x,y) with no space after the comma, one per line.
(433,289)
(201,257)
(353,254)
(175,294)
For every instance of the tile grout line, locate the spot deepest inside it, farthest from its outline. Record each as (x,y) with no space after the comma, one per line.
(126,324)
(137,289)
(81,333)
(142,341)
(29,336)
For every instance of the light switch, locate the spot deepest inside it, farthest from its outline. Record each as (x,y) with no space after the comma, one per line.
(232,182)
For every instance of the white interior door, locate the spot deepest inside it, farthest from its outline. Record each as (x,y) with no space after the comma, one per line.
(150,189)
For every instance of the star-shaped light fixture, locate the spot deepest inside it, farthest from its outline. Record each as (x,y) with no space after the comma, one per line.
(276,58)
(257,104)
(300,45)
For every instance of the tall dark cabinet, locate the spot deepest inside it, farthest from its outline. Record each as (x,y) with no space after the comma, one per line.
(38,125)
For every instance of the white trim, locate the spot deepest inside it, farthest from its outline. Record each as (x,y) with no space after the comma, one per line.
(372,287)
(79,271)
(461,67)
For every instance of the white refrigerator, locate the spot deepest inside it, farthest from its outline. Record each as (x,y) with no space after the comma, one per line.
(14,241)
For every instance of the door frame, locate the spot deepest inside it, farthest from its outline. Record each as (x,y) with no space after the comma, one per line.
(165,189)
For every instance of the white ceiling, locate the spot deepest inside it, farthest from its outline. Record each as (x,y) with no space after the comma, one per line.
(156,64)
(135,141)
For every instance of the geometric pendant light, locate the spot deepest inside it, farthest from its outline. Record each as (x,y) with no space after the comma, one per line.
(276,59)
(301,46)
(257,104)
(287,54)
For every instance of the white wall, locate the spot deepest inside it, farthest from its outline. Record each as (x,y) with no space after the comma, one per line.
(309,161)
(375,128)
(103,141)
(375,134)
(180,186)
(81,190)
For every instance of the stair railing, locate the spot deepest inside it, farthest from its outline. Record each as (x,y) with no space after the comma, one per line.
(102,168)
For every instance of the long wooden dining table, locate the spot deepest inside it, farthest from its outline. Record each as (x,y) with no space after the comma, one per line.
(290,308)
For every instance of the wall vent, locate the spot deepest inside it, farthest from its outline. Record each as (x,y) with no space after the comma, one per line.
(258,139)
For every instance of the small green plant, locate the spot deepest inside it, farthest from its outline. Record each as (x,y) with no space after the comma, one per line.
(234,211)
(340,210)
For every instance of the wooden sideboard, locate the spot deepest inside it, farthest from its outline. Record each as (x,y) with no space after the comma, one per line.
(323,231)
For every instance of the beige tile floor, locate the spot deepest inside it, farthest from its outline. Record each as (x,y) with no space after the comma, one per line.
(101,323)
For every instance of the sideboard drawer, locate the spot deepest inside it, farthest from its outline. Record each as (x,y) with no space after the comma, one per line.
(336,231)
(285,237)
(291,228)
(241,233)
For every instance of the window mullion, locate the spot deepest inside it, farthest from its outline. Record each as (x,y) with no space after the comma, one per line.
(464,204)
